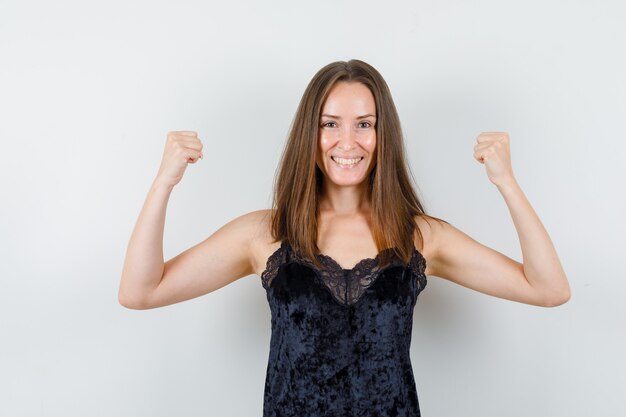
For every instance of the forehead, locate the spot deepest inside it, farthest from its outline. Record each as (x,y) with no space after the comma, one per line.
(349,99)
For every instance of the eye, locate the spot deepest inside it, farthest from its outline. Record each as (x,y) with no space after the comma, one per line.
(327,123)
(368,124)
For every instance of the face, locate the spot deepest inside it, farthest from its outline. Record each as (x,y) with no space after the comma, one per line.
(347,135)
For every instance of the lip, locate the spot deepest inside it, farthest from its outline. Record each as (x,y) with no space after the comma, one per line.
(348,157)
(339,166)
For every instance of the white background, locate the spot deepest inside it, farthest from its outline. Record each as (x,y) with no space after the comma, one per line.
(88,92)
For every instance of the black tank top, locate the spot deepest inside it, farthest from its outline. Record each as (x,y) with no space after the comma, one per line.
(341,337)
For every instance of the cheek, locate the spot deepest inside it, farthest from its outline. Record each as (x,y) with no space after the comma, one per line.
(324,142)
(368,141)
(323,145)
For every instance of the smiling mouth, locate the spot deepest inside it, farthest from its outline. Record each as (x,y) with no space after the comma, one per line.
(347,162)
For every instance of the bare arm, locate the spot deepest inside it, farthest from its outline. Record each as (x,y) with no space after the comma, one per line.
(222,258)
(540,280)
(459,258)
(225,256)
(143,265)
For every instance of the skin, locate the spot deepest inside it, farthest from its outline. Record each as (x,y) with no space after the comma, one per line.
(347,128)
(241,247)
(539,280)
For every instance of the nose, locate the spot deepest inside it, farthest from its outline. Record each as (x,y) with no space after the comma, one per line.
(347,138)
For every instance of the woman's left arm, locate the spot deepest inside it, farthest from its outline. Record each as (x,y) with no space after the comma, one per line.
(540,279)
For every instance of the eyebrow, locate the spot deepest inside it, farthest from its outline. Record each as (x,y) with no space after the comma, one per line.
(337,117)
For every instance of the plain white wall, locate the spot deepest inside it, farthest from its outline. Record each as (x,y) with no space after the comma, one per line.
(89,90)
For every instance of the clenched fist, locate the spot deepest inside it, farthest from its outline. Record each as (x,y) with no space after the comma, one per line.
(492,150)
(181,148)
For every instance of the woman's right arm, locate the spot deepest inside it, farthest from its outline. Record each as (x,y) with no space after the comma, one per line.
(147,281)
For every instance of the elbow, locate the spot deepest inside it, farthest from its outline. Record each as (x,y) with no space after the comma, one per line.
(125,302)
(132,303)
(132,296)
(558,300)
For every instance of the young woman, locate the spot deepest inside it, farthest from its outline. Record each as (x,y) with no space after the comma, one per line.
(344,252)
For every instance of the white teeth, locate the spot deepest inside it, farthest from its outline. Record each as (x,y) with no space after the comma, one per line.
(346,161)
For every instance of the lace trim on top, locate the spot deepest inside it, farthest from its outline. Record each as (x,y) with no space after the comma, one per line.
(345,285)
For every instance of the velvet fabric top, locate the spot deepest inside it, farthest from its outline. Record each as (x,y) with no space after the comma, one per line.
(341,337)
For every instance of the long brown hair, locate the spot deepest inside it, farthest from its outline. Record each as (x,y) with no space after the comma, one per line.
(298,181)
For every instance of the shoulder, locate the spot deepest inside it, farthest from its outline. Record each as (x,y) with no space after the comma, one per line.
(443,243)
(432,230)
(250,224)
(262,243)
(254,228)
(255,224)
